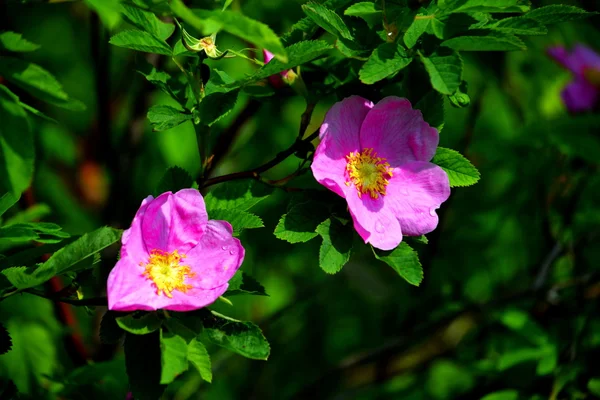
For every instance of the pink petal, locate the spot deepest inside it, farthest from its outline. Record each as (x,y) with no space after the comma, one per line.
(339,137)
(398,133)
(217,256)
(374,221)
(268,56)
(174,221)
(129,290)
(415,191)
(580,58)
(132,238)
(580,95)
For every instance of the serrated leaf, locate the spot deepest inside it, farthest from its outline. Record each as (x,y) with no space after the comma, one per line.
(238,219)
(460,170)
(239,195)
(17,152)
(5,341)
(386,59)
(173,356)
(518,26)
(38,82)
(173,180)
(336,248)
(244,338)
(432,107)
(7,200)
(199,358)
(164,117)
(445,71)
(143,365)
(147,21)
(242,283)
(327,19)
(368,11)
(556,13)
(43,232)
(405,261)
(110,332)
(141,41)
(12,41)
(140,323)
(300,222)
(418,27)
(216,106)
(495,6)
(494,41)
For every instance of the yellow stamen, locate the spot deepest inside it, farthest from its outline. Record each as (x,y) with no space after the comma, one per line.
(368,172)
(166,272)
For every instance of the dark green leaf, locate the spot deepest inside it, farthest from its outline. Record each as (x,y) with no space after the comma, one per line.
(216,106)
(139,323)
(494,41)
(327,19)
(173,180)
(143,364)
(299,224)
(43,232)
(556,13)
(518,26)
(37,113)
(594,386)
(337,245)
(147,21)
(7,200)
(141,41)
(16,146)
(38,82)
(166,117)
(110,332)
(386,59)
(460,170)
(445,71)
(496,6)
(508,394)
(5,341)
(199,358)
(12,41)
(238,219)
(239,195)
(405,261)
(242,283)
(432,107)
(173,355)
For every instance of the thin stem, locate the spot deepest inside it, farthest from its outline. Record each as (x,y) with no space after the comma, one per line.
(94,301)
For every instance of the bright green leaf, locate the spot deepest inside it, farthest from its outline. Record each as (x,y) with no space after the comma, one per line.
(108,10)
(460,170)
(173,355)
(405,261)
(327,19)
(368,10)
(386,59)
(337,245)
(12,41)
(7,200)
(164,117)
(141,41)
(239,220)
(147,21)
(140,323)
(445,71)
(239,195)
(418,27)
(502,395)
(199,358)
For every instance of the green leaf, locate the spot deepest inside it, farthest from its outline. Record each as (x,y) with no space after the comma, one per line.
(509,359)
(418,27)
(298,54)
(556,13)
(495,6)
(327,19)
(16,147)
(108,10)
(405,261)
(368,11)
(337,245)
(494,41)
(147,21)
(239,195)
(386,59)
(7,200)
(445,71)
(37,113)
(173,180)
(38,82)
(300,222)
(238,219)
(518,26)
(460,170)
(242,283)
(43,232)
(30,255)
(593,386)
(12,41)
(198,356)
(160,79)
(139,323)
(432,107)
(141,41)
(143,365)
(508,394)
(5,341)
(64,259)
(164,117)
(110,332)
(216,106)
(173,355)
(244,338)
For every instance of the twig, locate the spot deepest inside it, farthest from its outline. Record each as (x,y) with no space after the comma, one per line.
(93,301)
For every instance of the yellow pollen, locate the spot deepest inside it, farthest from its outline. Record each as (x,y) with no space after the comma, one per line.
(368,172)
(166,272)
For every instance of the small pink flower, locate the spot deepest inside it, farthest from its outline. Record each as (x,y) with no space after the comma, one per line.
(276,81)
(377,158)
(173,257)
(584,92)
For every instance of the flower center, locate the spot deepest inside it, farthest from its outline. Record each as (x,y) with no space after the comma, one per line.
(368,172)
(166,272)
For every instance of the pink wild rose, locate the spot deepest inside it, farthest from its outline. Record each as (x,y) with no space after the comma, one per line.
(173,257)
(377,158)
(583,93)
(277,81)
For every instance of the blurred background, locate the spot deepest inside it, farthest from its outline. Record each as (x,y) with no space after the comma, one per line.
(509,304)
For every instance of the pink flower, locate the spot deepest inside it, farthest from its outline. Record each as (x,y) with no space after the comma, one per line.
(173,257)
(276,81)
(377,158)
(584,92)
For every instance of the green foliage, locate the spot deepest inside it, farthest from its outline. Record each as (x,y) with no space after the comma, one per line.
(405,261)
(337,245)
(494,41)
(445,71)
(327,19)
(164,117)
(140,323)
(432,107)
(215,106)
(556,13)
(502,395)
(242,283)
(387,59)
(365,10)
(460,170)
(173,356)
(141,41)
(239,220)
(148,22)
(43,232)
(12,41)
(173,180)
(110,332)
(5,341)
(238,194)
(199,358)
(301,221)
